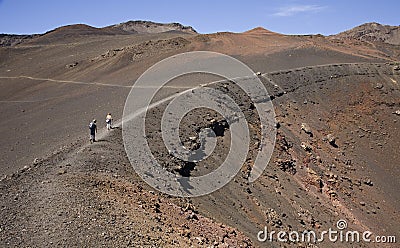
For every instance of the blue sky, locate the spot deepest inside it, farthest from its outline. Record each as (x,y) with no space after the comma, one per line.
(289,17)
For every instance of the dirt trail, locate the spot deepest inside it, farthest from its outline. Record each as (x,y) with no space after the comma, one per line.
(79,82)
(87,195)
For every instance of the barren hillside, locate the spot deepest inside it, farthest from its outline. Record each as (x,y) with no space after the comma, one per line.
(336,155)
(373,32)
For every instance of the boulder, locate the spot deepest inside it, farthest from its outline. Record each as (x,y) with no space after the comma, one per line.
(306,128)
(306,147)
(378,86)
(331,139)
(72,65)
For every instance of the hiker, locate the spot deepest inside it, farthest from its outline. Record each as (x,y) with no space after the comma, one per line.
(93,131)
(109,121)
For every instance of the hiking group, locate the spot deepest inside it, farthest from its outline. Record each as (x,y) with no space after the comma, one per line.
(93,127)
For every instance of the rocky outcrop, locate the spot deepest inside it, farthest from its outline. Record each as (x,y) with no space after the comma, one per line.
(15,39)
(151,27)
(372,32)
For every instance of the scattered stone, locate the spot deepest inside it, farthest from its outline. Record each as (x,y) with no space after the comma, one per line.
(331,139)
(273,218)
(315,179)
(185,233)
(200,240)
(189,207)
(25,168)
(368,182)
(396,68)
(72,65)
(378,86)
(397,112)
(306,147)
(362,203)
(62,171)
(284,144)
(3,178)
(332,193)
(192,216)
(288,165)
(157,207)
(306,128)
(36,161)
(258,73)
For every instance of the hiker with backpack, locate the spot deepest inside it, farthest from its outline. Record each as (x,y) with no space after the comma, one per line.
(93,131)
(109,120)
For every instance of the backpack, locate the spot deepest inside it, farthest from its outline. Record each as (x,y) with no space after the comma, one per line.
(92,126)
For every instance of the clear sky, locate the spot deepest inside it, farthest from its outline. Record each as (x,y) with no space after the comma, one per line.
(206,16)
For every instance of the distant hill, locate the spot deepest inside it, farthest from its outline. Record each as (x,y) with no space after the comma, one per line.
(82,29)
(15,39)
(259,30)
(372,32)
(75,30)
(151,27)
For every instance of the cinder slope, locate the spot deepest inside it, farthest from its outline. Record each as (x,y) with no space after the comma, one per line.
(355,179)
(52,87)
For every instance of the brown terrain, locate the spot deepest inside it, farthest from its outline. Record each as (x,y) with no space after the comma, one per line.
(337,105)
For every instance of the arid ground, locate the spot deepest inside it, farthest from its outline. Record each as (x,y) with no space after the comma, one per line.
(336,157)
